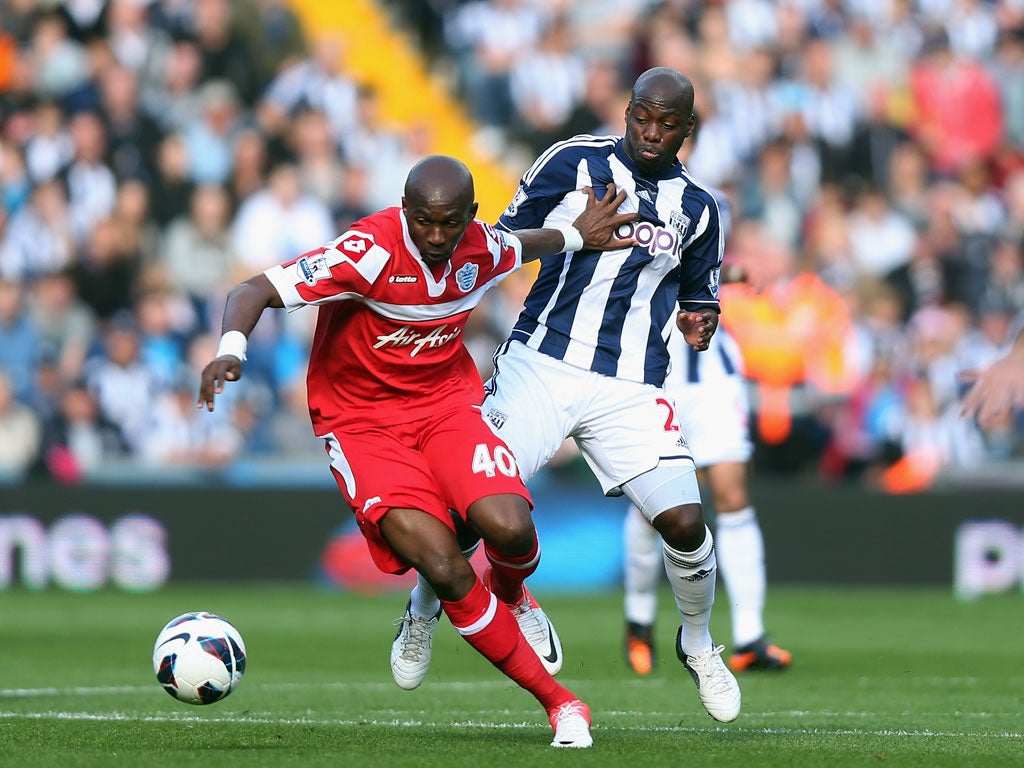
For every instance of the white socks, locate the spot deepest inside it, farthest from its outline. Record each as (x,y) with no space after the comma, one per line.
(692,577)
(741,558)
(642,567)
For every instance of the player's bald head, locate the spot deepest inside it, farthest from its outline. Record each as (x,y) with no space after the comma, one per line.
(440,180)
(665,88)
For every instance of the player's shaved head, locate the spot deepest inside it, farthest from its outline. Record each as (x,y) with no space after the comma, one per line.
(665,88)
(438,205)
(659,117)
(440,180)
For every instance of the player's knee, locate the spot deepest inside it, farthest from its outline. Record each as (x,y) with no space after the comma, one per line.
(505,524)
(730,500)
(682,527)
(451,576)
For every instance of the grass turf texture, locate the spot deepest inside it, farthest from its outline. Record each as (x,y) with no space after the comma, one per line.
(880,677)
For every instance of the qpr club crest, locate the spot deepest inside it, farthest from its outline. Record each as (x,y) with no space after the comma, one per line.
(465,276)
(679,221)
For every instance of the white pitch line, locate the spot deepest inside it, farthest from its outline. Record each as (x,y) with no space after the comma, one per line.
(418,723)
(81,690)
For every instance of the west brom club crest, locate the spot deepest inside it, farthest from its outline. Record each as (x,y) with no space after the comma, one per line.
(465,276)
(679,221)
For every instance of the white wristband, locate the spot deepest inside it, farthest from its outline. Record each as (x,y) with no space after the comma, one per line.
(572,238)
(233,343)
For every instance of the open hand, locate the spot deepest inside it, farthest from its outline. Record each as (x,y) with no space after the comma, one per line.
(600,220)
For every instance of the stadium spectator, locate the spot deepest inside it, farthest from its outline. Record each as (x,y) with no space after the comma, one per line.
(795,332)
(546,85)
(273,33)
(104,273)
(132,134)
(49,150)
(38,236)
(403,431)
(211,139)
(136,45)
(587,358)
(321,169)
(171,189)
(72,437)
(66,324)
(196,252)
(91,184)
(251,162)
(487,38)
(1008,71)
(279,220)
(882,239)
(172,99)
(226,53)
(19,341)
(19,432)
(122,386)
(319,82)
(939,77)
(179,435)
(57,64)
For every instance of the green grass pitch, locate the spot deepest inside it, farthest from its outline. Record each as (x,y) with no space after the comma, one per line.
(892,677)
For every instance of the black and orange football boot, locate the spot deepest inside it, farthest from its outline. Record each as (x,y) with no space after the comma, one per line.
(761,654)
(640,647)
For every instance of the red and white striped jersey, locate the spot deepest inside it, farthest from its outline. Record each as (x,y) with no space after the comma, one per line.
(388,341)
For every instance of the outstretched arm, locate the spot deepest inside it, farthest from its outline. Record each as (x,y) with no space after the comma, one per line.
(245,305)
(998,389)
(595,226)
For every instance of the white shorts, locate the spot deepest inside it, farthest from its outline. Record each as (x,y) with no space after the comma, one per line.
(715,419)
(710,393)
(623,428)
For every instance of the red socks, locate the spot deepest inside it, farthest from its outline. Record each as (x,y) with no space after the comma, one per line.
(488,625)
(507,574)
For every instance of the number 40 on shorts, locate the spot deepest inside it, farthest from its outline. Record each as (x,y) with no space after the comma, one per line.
(487,463)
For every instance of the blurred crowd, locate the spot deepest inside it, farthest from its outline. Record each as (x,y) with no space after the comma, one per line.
(155,152)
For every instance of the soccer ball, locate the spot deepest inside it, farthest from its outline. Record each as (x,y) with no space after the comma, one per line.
(199,657)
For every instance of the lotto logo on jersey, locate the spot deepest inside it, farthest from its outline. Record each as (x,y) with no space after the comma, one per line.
(407,337)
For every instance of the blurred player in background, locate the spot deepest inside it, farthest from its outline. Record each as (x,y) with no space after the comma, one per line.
(709,392)
(587,357)
(394,394)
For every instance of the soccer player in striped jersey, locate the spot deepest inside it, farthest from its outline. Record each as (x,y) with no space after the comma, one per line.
(588,355)
(709,392)
(394,394)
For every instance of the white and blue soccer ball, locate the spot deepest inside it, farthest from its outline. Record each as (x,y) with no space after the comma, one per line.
(199,657)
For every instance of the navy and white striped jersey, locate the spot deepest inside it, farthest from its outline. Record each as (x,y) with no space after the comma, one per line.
(611,312)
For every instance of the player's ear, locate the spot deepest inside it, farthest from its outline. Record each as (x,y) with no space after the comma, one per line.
(473,209)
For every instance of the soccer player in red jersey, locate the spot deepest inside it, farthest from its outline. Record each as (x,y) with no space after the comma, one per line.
(395,396)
